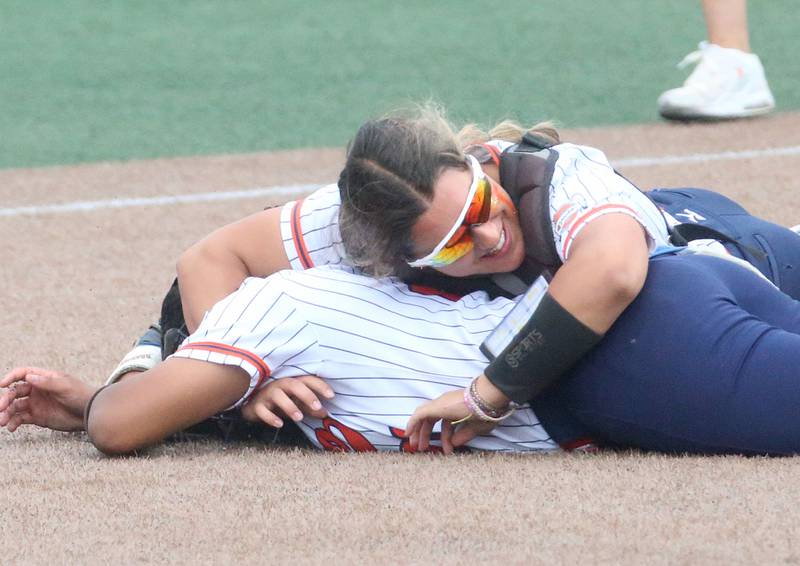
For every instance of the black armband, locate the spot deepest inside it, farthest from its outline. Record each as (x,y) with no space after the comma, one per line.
(547,345)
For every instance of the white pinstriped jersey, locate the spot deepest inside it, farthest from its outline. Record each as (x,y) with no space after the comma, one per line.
(382,348)
(584,187)
(310,230)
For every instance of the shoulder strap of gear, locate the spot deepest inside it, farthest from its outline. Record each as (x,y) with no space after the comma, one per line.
(536,141)
(525,173)
(682,234)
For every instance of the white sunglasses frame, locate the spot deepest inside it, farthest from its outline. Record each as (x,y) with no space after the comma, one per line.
(477,175)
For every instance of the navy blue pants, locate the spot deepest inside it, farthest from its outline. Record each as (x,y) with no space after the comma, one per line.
(773,249)
(705,360)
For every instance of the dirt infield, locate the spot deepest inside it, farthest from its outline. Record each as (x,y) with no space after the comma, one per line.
(78,285)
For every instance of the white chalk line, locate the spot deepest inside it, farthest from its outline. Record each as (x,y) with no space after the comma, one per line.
(297,190)
(705,157)
(92,205)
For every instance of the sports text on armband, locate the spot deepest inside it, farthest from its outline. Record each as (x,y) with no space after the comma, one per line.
(532,340)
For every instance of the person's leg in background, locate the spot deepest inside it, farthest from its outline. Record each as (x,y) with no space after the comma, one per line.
(726,23)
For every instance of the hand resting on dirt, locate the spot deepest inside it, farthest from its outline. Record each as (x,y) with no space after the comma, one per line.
(50,399)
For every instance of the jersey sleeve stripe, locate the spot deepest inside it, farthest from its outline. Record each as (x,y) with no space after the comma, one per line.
(297,236)
(584,219)
(561,212)
(494,153)
(258,363)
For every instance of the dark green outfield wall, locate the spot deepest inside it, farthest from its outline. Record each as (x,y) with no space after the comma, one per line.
(85,81)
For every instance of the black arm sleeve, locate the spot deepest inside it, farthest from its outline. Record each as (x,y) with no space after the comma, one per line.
(548,345)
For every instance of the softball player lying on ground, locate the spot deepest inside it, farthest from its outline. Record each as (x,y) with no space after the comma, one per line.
(404,185)
(704,361)
(413,203)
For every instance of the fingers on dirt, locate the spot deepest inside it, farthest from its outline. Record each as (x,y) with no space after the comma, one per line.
(18,420)
(20,373)
(447,437)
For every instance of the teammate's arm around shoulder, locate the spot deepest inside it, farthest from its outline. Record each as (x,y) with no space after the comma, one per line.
(601,276)
(605,271)
(215,266)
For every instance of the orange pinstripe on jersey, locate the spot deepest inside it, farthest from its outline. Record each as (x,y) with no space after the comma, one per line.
(297,237)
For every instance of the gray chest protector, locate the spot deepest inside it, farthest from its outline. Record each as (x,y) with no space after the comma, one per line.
(525,173)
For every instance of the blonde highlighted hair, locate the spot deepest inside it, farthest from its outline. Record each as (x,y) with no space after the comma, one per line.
(507,130)
(432,117)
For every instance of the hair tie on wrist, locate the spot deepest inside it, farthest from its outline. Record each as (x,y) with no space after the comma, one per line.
(89,406)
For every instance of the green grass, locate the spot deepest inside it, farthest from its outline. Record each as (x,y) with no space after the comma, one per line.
(87,81)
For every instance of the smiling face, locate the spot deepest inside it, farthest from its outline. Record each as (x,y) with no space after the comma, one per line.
(497,244)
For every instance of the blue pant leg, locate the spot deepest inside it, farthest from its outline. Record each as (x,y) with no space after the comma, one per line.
(779,247)
(706,360)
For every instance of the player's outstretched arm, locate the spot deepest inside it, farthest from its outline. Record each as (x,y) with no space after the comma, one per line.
(129,415)
(40,397)
(144,409)
(288,397)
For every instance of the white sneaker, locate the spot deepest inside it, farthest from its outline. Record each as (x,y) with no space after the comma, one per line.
(727,83)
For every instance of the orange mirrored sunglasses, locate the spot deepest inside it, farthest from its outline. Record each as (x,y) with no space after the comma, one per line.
(477,209)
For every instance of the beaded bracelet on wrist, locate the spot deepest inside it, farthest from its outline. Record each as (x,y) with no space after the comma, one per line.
(481,409)
(485,406)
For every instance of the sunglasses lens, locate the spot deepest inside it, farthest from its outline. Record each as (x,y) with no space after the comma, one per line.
(460,244)
(481,207)
(451,254)
(460,234)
